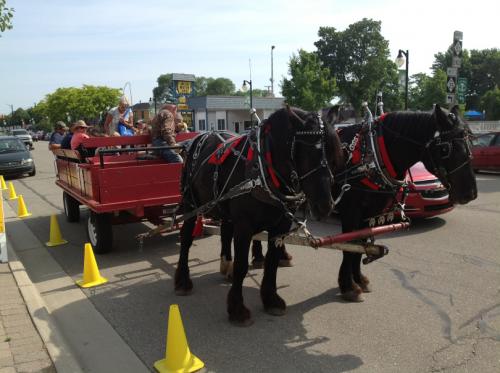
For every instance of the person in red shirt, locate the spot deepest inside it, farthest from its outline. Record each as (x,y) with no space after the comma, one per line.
(79,134)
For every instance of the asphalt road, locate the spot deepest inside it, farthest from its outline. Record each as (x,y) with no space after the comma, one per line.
(435,305)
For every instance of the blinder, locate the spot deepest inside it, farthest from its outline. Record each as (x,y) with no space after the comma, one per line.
(320,143)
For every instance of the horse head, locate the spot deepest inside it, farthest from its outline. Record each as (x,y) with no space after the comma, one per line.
(314,151)
(449,156)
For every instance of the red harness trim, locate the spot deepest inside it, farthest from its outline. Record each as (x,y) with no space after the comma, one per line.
(274,179)
(385,156)
(217,158)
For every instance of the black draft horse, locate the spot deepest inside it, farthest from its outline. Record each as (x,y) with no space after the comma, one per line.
(378,159)
(254,183)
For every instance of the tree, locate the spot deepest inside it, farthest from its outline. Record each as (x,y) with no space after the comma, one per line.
(490,102)
(425,91)
(220,86)
(359,60)
(311,86)
(71,104)
(164,92)
(6,15)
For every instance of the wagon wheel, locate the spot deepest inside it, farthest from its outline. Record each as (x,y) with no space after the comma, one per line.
(100,232)
(71,208)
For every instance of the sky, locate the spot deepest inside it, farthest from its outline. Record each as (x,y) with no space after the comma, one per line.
(69,43)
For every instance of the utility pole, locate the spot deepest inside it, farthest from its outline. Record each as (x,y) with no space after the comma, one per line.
(272,71)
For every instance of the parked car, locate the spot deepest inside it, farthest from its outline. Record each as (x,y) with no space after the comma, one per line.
(486,152)
(24,136)
(15,158)
(427,196)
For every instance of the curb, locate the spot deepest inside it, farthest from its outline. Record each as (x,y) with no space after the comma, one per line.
(56,345)
(78,338)
(57,348)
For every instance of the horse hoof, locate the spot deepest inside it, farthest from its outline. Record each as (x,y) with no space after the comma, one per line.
(367,288)
(285,263)
(275,311)
(258,263)
(353,296)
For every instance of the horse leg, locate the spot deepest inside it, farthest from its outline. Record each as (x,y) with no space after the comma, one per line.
(273,303)
(238,313)
(358,277)
(183,283)
(350,291)
(226,259)
(257,256)
(285,257)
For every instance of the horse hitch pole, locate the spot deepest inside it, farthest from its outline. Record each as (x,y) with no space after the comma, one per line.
(362,233)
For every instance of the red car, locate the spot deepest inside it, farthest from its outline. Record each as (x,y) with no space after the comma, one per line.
(427,196)
(486,152)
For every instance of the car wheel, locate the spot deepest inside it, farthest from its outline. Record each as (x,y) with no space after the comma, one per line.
(71,208)
(100,232)
(33,172)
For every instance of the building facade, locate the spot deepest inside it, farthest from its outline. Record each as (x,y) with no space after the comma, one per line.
(229,112)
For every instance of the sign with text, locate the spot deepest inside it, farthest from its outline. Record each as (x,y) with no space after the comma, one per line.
(184,88)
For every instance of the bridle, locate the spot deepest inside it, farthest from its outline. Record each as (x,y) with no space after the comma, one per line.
(441,147)
(300,137)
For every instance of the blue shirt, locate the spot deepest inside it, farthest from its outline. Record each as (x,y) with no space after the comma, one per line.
(66,141)
(56,138)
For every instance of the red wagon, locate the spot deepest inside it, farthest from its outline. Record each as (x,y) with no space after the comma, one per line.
(121,185)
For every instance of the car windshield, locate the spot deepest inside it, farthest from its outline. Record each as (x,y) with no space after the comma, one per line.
(11,146)
(19,132)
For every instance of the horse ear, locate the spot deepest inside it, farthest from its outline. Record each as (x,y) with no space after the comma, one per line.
(455,110)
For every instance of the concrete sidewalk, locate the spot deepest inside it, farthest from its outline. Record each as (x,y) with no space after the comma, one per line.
(73,333)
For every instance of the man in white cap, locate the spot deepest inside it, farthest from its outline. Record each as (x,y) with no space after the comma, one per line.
(119,114)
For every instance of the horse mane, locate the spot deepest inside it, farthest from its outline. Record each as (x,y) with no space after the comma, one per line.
(416,125)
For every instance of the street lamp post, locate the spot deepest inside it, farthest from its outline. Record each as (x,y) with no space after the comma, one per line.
(272,72)
(244,89)
(404,56)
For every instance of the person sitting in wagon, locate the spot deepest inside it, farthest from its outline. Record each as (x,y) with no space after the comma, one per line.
(120,119)
(163,133)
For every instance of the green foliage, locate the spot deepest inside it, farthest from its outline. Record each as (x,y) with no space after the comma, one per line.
(165,91)
(311,86)
(490,102)
(72,104)
(359,60)
(425,91)
(6,15)
(220,86)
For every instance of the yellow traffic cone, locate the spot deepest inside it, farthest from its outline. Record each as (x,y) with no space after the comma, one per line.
(178,357)
(22,211)
(91,275)
(12,191)
(2,183)
(55,233)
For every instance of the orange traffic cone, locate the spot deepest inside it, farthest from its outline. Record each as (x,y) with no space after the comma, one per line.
(91,275)
(2,183)
(12,191)
(178,357)
(55,233)
(22,211)
(198,228)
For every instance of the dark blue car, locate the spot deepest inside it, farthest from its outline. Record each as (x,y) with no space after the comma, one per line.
(15,159)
